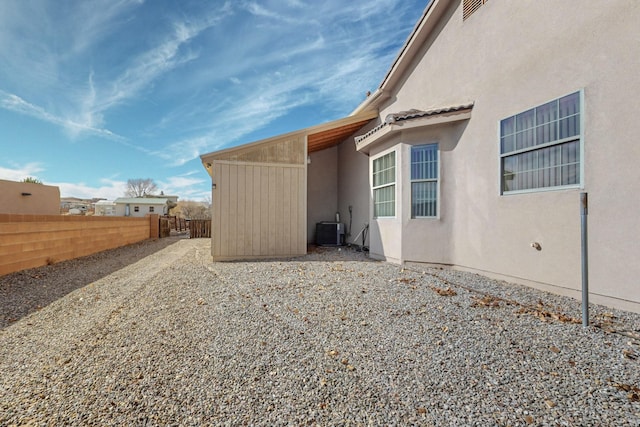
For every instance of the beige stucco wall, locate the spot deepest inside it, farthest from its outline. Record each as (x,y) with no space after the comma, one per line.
(509,57)
(322,189)
(43,199)
(353,189)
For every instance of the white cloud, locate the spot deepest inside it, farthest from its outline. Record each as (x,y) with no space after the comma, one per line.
(16,104)
(181,152)
(331,56)
(205,86)
(20,172)
(90,27)
(80,109)
(188,186)
(261,11)
(296,3)
(110,189)
(144,69)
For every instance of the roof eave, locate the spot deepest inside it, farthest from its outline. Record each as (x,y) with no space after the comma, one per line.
(361,116)
(365,144)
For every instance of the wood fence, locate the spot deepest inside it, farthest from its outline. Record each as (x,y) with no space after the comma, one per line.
(200,228)
(177,223)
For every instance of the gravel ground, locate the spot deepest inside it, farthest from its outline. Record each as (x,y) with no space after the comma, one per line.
(331,338)
(29,290)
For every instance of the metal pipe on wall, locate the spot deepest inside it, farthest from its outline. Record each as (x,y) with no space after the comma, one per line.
(584,259)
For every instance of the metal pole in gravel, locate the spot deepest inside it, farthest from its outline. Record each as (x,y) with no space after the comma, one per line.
(585,263)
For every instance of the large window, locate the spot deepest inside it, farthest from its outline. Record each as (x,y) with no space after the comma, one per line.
(541,148)
(384,185)
(424,181)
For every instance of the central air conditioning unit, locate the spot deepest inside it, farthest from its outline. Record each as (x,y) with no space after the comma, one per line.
(329,234)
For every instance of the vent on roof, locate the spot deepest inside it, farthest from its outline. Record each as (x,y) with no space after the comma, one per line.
(470,6)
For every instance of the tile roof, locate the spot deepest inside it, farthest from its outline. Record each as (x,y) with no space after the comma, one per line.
(413,114)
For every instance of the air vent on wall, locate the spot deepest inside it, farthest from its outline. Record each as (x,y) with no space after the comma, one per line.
(470,6)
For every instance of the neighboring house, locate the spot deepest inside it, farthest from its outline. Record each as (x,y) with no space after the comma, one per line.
(76,206)
(140,206)
(29,198)
(491,122)
(105,208)
(171,199)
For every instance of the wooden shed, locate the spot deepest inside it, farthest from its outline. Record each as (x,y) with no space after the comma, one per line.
(259,191)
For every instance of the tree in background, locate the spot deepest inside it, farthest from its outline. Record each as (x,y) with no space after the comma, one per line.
(190,209)
(139,187)
(32,180)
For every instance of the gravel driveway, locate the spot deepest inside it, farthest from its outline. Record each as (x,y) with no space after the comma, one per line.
(327,339)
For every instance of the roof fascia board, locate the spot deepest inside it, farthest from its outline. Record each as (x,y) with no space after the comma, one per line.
(212,155)
(383,134)
(376,98)
(354,118)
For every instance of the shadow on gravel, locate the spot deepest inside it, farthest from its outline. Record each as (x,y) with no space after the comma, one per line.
(26,291)
(317,253)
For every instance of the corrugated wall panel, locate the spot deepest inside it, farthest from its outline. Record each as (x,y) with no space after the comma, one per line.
(224,217)
(286,211)
(264,210)
(248,210)
(258,210)
(241,177)
(302,209)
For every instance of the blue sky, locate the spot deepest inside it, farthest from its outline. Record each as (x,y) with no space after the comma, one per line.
(93,93)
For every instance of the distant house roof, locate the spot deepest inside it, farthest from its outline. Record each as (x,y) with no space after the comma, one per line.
(163,196)
(141,201)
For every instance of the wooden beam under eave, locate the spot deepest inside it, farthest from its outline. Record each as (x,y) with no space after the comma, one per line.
(330,137)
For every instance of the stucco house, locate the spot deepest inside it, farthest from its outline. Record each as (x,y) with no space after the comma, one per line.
(29,198)
(472,153)
(105,208)
(140,206)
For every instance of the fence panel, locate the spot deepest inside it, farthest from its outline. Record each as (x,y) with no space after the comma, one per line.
(200,228)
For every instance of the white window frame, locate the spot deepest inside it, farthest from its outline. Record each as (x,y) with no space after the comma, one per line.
(136,208)
(557,142)
(152,209)
(390,184)
(435,179)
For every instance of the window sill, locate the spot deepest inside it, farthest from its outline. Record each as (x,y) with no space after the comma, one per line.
(543,190)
